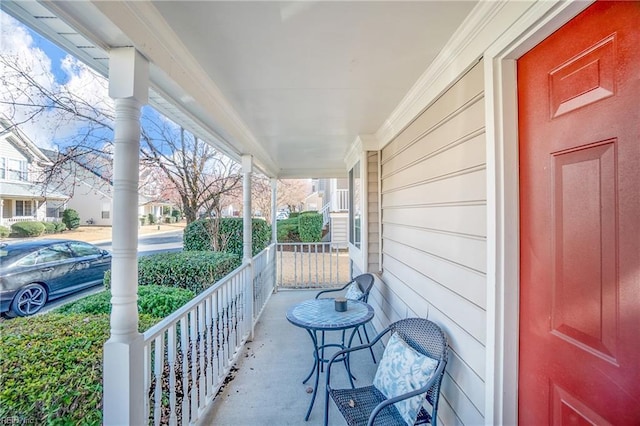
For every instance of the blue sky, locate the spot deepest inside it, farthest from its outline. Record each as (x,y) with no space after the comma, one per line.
(56,69)
(53,52)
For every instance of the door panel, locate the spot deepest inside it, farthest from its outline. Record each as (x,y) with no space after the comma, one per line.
(579,115)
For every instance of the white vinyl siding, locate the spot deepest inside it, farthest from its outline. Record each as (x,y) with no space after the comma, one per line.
(434,252)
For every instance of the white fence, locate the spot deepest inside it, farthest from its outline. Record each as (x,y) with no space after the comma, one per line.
(312,265)
(8,221)
(189,354)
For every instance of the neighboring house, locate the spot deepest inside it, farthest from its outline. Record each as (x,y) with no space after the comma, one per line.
(330,197)
(153,197)
(22,196)
(87,179)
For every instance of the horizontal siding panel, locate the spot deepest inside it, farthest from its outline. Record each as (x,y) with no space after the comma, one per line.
(470,383)
(458,401)
(468,220)
(8,150)
(470,87)
(464,156)
(455,133)
(467,187)
(465,251)
(414,302)
(465,282)
(467,315)
(468,349)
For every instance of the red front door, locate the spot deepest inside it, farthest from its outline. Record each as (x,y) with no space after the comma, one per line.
(579,115)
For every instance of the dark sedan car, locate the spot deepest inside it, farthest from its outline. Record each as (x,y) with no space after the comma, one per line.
(33,272)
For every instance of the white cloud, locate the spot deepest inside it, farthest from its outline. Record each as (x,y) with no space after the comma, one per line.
(49,126)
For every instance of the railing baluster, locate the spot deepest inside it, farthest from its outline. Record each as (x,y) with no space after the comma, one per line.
(201,364)
(184,350)
(147,378)
(171,353)
(209,324)
(193,336)
(158,355)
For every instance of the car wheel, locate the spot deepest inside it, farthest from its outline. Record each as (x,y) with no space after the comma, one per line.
(29,300)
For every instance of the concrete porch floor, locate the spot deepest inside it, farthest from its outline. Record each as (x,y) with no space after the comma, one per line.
(267,388)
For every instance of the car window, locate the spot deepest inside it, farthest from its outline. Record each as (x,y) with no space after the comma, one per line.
(28,260)
(52,253)
(82,249)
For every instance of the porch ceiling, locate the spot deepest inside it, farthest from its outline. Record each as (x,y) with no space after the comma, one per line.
(292,83)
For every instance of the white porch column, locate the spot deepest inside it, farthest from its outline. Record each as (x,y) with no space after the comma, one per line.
(274,210)
(274,228)
(247,166)
(123,375)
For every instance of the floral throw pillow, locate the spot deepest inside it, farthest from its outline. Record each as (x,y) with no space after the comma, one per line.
(403,370)
(353,292)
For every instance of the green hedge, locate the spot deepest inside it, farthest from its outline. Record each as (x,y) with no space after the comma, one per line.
(288,230)
(71,218)
(49,227)
(153,300)
(51,368)
(197,235)
(27,229)
(192,270)
(4,232)
(310,227)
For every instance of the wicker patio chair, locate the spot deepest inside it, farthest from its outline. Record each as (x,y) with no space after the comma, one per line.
(369,405)
(364,284)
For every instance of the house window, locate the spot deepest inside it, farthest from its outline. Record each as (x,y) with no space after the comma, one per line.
(24,208)
(3,168)
(355,216)
(106,211)
(16,170)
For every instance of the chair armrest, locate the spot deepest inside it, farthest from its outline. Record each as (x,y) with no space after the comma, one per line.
(333,289)
(423,390)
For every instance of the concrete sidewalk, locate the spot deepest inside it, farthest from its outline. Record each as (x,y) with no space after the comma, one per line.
(267,388)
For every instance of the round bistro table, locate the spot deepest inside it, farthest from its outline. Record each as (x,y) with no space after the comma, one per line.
(320,315)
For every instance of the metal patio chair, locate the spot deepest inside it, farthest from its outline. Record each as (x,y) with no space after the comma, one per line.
(368,405)
(364,284)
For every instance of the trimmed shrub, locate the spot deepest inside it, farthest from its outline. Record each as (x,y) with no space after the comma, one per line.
(152,218)
(176,214)
(4,232)
(153,300)
(197,235)
(294,214)
(288,230)
(60,226)
(71,218)
(49,227)
(51,368)
(27,229)
(310,227)
(192,270)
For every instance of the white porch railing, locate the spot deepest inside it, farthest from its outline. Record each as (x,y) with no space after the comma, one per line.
(324,211)
(188,355)
(340,201)
(8,221)
(312,265)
